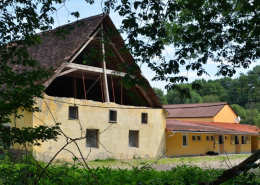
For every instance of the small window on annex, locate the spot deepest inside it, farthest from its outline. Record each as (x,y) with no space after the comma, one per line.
(92,138)
(199,138)
(247,139)
(112,116)
(207,138)
(184,140)
(73,112)
(212,138)
(133,138)
(193,138)
(243,139)
(144,118)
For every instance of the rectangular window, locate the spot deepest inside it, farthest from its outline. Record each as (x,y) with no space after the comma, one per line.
(193,138)
(144,118)
(184,140)
(207,138)
(226,138)
(236,140)
(133,138)
(73,112)
(112,116)
(92,138)
(198,138)
(212,138)
(232,140)
(247,139)
(243,139)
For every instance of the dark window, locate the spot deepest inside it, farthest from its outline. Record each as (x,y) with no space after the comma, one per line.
(236,140)
(92,138)
(198,138)
(193,138)
(184,140)
(112,116)
(207,138)
(133,138)
(73,112)
(243,139)
(144,118)
(220,138)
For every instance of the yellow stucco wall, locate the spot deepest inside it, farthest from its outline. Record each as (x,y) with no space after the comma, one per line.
(95,115)
(26,120)
(174,144)
(226,115)
(194,119)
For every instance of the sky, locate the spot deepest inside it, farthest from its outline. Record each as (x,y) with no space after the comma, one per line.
(86,10)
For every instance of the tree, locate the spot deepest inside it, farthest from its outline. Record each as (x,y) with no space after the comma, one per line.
(160,95)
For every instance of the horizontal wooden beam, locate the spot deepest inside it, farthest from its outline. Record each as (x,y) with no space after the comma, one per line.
(66,72)
(94,69)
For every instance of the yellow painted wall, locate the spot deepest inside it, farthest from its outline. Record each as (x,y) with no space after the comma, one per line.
(26,120)
(174,145)
(226,115)
(255,143)
(194,119)
(115,139)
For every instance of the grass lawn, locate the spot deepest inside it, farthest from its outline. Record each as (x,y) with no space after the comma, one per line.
(111,162)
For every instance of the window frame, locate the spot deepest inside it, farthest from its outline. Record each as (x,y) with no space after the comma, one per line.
(243,139)
(211,137)
(199,136)
(142,120)
(207,137)
(187,140)
(112,121)
(96,138)
(136,139)
(193,138)
(77,113)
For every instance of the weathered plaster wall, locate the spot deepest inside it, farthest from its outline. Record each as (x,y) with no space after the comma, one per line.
(114,136)
(26,120)
(226,115)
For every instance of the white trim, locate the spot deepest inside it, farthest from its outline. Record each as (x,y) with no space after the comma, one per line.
(187,140)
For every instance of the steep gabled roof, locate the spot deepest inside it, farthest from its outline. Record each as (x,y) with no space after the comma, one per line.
(209,127)
(56,51)
(194,110)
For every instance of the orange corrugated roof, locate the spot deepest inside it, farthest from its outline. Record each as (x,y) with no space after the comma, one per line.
(194,110)
(214,127)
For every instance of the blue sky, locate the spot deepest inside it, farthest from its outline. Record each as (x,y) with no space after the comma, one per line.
(62,16)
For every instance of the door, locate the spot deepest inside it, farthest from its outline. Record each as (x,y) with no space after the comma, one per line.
(221,144)
(237,145)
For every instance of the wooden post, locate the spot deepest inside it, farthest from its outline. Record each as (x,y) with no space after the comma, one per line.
(74,86)
(105,86)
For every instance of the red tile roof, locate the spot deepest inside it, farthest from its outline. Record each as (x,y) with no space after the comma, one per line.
(198,126)
(194,110)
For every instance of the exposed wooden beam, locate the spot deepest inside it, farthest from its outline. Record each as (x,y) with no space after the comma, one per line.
(94,69)
(145,95)
(83,47)
(66,72)
(103,65)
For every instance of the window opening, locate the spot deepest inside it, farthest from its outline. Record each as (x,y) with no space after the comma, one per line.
(184,140)
(247,139)
(243,139)
(73,112)
(212,138)
(92,138)
(220,138)
(236,140)
(193,138)
(198,138)
(144,118)
(112,116)
(133,138)
(207,138)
